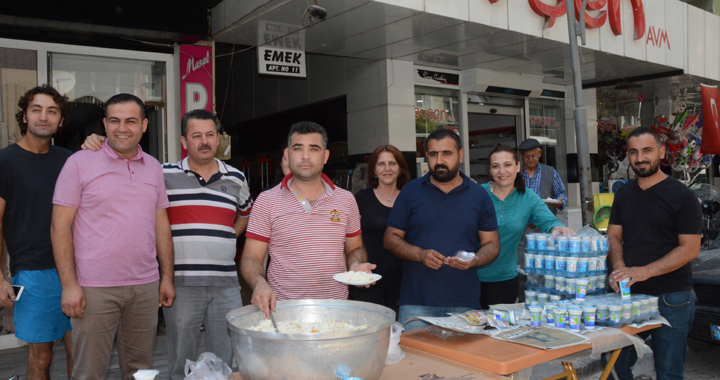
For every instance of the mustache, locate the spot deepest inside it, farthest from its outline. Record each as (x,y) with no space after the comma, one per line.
(643,162)
(205,146)
(441,166)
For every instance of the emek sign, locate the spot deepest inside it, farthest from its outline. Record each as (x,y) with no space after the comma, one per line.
(612,15)
(274,61)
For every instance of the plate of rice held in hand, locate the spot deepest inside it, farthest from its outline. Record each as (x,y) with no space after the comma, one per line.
(357,278)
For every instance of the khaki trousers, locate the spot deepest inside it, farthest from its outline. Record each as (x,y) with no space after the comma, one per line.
(131,313)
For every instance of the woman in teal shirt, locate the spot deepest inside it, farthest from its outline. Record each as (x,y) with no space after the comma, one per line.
(515,206)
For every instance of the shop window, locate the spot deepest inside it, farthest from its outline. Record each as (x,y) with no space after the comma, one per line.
(435,108)
(547,125)
(18,74)
(89,81)
(665,103)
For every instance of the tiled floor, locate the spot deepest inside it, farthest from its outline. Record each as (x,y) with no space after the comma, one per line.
(14,361)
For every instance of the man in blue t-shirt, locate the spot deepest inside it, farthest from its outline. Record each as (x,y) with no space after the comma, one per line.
(434,217)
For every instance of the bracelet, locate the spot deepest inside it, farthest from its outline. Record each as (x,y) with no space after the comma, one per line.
(6,273)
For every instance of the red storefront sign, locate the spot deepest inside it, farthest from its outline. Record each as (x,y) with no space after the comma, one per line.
(196,82)
(657,37)
(552,12)
(711,120)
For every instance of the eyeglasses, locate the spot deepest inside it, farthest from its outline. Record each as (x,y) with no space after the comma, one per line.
(532,156)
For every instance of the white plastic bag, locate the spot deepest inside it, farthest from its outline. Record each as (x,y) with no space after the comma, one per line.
(395,354)
(587,230)
(207,367)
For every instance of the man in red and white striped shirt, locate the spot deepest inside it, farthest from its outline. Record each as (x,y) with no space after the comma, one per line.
(309,227)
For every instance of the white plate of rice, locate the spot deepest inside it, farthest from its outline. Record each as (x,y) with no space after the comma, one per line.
(356,278)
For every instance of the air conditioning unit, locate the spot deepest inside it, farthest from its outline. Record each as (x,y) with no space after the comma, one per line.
(502,83)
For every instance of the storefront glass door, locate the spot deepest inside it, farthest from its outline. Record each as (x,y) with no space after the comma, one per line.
(89,81)
(489,126)
(18,74)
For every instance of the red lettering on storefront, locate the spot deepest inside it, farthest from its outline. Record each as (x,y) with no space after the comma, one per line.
(550,12)
(638,16)
(433,114)
(657,37)
(493,1)
(613,13)
(593,5)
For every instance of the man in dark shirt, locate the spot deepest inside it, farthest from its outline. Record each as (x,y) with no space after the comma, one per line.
(433,218)
(654,233)
(27,181)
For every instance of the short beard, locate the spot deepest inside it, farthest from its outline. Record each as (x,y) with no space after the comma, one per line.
(651,170)
(446,176)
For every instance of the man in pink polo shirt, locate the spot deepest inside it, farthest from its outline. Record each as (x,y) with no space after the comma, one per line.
(109,231)
(309,227)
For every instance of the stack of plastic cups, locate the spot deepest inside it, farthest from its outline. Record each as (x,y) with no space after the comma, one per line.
(531,242)
(600,283)
(530,262)
(627,316)
(539,262)
(550,316)
(592,264)
(560,265)
(574,245)
(549,283)
(582,287)
(589,316)
(541,242)
(596,245)
(572,267)
(560,314)
(591,285)
(563,245)
(542,298)
(535,315)
(571,287)
(615,315)
(560,285)
(604,243)
(602,313)
(555,299)
(654,311)
(601,263)
(530,297)
(549,264)
(582,267)
(574,318)
(645,309)
(636,311)
(585,244)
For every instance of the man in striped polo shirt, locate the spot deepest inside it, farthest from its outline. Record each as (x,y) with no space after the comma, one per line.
(209,207)
(309,227)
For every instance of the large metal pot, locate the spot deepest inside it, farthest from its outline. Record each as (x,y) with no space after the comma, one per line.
(269,355)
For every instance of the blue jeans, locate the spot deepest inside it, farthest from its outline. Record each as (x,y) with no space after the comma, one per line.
(669,343)
(410,311)
(193,307)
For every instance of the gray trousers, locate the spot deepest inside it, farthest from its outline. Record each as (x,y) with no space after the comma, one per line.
(193,307)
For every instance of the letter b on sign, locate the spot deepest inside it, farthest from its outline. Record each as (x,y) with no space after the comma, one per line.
(196,97)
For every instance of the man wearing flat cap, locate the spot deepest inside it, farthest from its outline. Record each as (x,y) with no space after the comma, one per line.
(544,180)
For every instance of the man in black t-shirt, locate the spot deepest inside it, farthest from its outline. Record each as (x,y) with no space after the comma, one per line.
(27,182)
(655,229)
